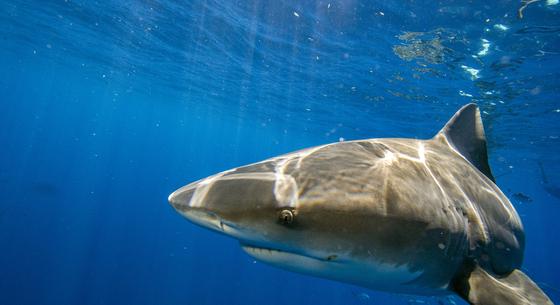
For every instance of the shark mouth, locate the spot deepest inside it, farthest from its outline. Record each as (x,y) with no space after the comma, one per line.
(277,256)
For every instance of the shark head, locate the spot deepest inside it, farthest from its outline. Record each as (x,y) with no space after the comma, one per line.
(283,213)
(258,207)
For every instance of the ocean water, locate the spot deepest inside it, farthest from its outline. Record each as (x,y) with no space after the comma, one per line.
(108,106)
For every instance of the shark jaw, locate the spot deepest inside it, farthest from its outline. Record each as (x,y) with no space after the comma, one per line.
(301,263)
(369,274)
(285,259)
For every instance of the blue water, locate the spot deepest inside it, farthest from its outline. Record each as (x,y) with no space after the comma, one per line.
(108,106)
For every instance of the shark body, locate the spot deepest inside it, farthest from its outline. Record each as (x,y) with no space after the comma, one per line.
(400,215)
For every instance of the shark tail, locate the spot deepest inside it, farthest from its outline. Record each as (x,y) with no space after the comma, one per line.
(478,287)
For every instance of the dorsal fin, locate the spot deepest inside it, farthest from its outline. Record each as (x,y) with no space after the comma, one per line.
(464,133)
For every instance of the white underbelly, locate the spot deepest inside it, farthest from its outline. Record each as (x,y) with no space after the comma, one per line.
(370,274)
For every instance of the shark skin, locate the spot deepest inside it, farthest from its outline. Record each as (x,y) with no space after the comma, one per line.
(400,215)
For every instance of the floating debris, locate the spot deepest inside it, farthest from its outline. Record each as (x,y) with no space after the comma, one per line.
(463,93)
(362,296)
(485,47)
(522,198)
(430,50)
(525,3)
(501,27)
(472,71)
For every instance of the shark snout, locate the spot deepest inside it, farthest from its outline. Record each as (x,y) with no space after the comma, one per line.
(229,202)
(181,198)
(182,201)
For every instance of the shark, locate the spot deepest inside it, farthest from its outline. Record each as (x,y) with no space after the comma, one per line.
(400,215)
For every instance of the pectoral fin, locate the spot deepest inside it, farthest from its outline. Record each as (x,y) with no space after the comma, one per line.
(481,288)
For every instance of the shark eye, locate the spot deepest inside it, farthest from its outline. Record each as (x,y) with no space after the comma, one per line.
(286,217)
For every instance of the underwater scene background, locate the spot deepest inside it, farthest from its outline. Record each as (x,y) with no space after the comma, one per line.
(106,107)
